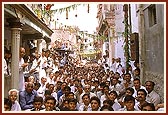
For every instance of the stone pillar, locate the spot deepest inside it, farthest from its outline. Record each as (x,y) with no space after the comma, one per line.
(15,25)
(141,43)
(39,45)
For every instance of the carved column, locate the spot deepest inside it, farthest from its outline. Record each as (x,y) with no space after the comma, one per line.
(15,26)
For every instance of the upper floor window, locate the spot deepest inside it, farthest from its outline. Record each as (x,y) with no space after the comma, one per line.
(152,15)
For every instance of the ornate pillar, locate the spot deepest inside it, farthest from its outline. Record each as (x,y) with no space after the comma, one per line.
(15,25)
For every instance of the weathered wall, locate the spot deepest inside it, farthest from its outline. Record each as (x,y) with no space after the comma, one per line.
(154,49)
(159,81)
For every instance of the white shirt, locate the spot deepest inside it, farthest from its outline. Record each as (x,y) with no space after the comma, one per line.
(153,97)
(116,88)
(21,75)
(41,90)
(135,91)
(54,94)
(5,67)
(102,98)
(116,106)
(81,107)
(16,106)
(91,95)
(125,109)
(113,67)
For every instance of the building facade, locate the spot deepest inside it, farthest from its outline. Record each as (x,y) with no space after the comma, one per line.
(152,45)
(22,27)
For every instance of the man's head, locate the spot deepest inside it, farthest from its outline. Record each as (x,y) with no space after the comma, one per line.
(29,87)
(137,83)
(71,95)
(95,103)
(51,87)
(87,89)
(113,95)
(129,91)
(86,99)
(49,103)
(127,77)
(7,104)
(141,95)
(22,52)
(106,89)
(37,103)
(66,90)
(72,104)
(8,54)
(149,86)
(13,94)
(129,102)
(80,87)
(148,107)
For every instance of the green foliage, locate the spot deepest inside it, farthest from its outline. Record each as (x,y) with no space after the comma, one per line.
(126,34)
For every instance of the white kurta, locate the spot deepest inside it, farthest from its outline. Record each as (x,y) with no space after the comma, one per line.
(21,76)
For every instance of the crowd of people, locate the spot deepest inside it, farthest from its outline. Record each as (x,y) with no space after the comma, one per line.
(53,81)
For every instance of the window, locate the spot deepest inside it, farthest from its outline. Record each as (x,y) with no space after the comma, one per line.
(152,15)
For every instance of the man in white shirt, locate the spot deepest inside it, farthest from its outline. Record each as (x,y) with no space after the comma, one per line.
(42,88)
(85,106)
(22,66)
(43,64)
(141,99)
(87,90)
(152,96)
(137,86)
(113,65)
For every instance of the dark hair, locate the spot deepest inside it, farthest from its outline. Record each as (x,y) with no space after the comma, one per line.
(80,85)
(136,79)
(114,92)
(67,87)
(105,86)
(72,100)
(148,104)
(37,84)
(50,98)
(8,51)
(50,85)
(102,84)
(130,89)
(8,102)
(137,69)
(109,102)
(71,93)
(129,98)
(86,95)
(38,99)
(106,107)
(127,74)
(143,90)
(96,81)
(47,92)
(95,98)
(59,81)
